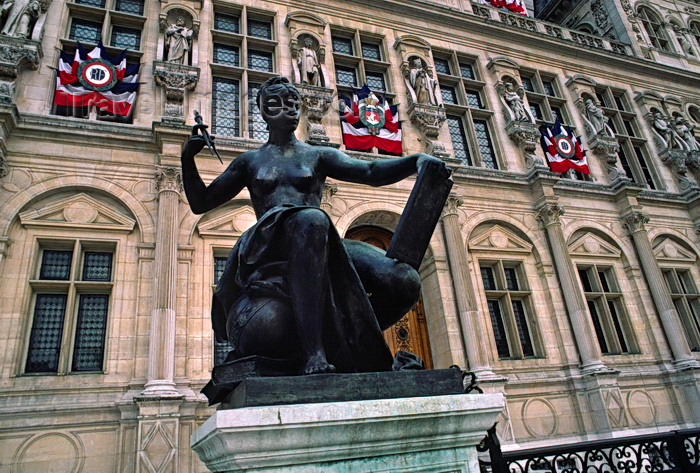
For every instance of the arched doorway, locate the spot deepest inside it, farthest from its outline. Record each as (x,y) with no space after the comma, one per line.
(411,332)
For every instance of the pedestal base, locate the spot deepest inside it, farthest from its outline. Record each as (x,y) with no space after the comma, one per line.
(425,434)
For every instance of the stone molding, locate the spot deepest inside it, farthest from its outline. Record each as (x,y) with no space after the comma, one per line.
(168,178)
(315,102)
(176,80)
(550,214)
(429,119)
(16,56)
(634,221)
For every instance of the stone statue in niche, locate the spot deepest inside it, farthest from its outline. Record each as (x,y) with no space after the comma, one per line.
(178,38)
(424,87)
(20,16)
(685,132)
(513,97)
(308,63)
(293,289)
(597,119)
(665,131)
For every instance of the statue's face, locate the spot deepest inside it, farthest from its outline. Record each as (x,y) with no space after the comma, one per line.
(180,22)
(307,42)
(281,110)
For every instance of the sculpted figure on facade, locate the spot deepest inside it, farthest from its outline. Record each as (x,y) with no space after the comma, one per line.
(424,87)
(179,41)
(19,16)
(684,129)
(596,117)
(513,97)
(292,289)
(308,63)
(665,131)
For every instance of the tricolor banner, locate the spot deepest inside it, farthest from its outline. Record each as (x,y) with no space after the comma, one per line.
(369,121)
(515,6)
(95,79)
(563,149)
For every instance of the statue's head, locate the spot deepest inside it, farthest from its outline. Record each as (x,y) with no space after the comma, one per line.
(308,43)
(417,62)
(180,21)
(279,102)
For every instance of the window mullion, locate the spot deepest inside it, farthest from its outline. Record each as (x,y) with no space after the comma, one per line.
(68,335)
(516,350)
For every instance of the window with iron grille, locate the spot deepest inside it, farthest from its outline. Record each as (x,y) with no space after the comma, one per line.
(371,51)
(225,54)
(221,347)
(259,29)
(606,308)
(686,299)
(459,139)
(259,60)
(509,304)
(225,107)
(546,102)
(126,38)
(85,31)
(226,22)
(633,155)
(655,29)
(442,66)
(346,76)
(135,7)
(257,128)
(72,293)
(375,81)
(342,45)
(92,3)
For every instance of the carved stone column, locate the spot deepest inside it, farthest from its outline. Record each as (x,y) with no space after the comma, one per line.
(606,147)
(316,102)
(682,357)
(429,119)
(161,349)
(16,56)
(582,325)
(464,290)
(176,79)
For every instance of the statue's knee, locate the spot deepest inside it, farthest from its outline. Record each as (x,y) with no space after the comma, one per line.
(407,283)
(310,219)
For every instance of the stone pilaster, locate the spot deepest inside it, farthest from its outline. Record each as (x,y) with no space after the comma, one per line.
(161,350)
(634,222)
(464,290)
(158,435)
(316,102)
(589,350)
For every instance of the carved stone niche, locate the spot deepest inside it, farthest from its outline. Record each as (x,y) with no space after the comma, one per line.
(430,115)
(179,30)
(315,103)
(16,56)
(176,80)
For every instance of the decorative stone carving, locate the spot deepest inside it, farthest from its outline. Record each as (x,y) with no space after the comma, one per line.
(420,84)
(607,148)
(684,130)
(429,119)
(179,31)
(596,121)
(527,137)
(168,178)
(512,96)
(16,55)
(664,134)
(176,79)
(308,57)
(4,171)
(315,102)
(634,221)
(23,18)
(454,201)
(550,214)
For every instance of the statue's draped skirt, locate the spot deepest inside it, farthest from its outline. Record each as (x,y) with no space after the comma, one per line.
(257,266)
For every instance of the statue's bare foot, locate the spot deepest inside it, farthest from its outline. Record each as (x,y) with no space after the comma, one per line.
(318,364)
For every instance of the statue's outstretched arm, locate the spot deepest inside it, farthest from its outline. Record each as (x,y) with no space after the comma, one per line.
(201,197)
(338,165)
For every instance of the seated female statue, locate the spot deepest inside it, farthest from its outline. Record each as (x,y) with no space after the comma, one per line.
(292,289)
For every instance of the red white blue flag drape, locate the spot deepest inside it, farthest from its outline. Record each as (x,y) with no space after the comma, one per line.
(562,149)
(369,121)
(96,79)
(516,6)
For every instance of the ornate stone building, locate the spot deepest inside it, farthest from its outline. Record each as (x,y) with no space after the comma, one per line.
(575,295)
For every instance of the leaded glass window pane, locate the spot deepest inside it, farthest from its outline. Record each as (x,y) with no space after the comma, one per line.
(442,66)
(126,38)
(628,127)
(97,266)
(85,31)
(499,331)
(134,7)
(558,115)
(342,45)
(449,94)
(467,71)
(625,164)
(474,99)
(371,51)
(548,88)
(644,167)
(257,128)
(523,330)
(91,326)
(260,60)
(618,327)
(225,107)
(527,84)
(224,22)
(511,279)
(619,101)
(92,3)
(47,330)
(376,81)
(598,327)
(55,265)
(483,138)
(219,266)
(345,75)
(536,110)
(225,54)
(459,139)
(260,29)
(488,278)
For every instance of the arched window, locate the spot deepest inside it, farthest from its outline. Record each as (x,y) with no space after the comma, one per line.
(655,29)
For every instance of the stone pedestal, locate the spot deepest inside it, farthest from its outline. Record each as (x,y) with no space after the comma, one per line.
(435,434)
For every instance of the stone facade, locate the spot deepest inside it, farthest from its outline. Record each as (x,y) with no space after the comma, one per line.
(575,296)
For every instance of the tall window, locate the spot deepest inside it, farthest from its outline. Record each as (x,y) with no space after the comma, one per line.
(687,302)
(468,114)
(544,97)
(654,28)
(221,349)
(510,308)
(606,308)
(359,59)
(633,155)
(243,58)
(72,287)
(695,32)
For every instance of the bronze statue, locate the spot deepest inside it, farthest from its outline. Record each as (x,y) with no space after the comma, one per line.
(293,289)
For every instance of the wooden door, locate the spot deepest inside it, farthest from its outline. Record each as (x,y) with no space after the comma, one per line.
(411,332)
